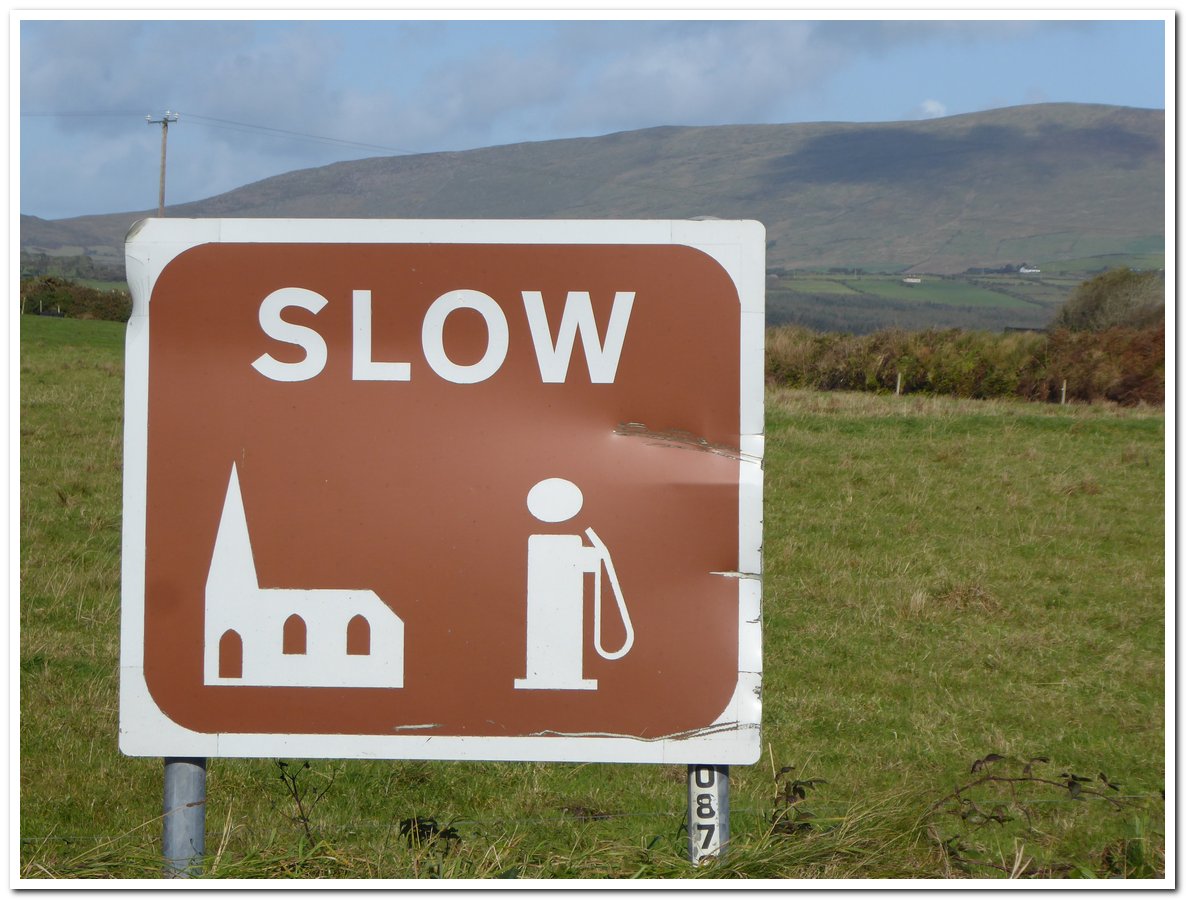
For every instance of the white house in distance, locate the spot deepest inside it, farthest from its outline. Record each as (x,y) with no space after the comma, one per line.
(270,637)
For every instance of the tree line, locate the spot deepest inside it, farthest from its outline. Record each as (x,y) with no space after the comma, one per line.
(1107,342)
(57,296)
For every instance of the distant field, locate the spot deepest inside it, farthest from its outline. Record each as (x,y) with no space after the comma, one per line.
(1093,264)
(953,590)
(809,285)
(954,292)
(1047,290)
(984,290)
(868,302)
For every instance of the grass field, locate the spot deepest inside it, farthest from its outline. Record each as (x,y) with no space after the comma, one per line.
(992,301)
(958,595)
(868,302)
(935,290)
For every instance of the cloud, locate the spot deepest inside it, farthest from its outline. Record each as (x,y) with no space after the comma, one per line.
(419,86)
(590,78)
(884,36)
(105,77)
(593,78)
(481,84)
(929,109)
(700,73)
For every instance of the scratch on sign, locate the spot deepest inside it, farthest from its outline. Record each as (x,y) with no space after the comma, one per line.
(682,440)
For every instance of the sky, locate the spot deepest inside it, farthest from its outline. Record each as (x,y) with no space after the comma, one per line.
(262,96)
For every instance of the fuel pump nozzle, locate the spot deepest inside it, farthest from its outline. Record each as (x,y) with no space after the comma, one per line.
(608,563)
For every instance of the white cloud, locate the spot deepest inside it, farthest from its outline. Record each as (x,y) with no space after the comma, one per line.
(930,109)
(594,78)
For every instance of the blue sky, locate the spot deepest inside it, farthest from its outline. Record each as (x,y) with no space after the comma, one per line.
(262,97)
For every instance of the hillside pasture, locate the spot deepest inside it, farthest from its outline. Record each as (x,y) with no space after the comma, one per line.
(949,291)
(868,302)
(1088,265)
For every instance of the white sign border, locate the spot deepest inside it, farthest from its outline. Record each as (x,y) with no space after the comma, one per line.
(734,739)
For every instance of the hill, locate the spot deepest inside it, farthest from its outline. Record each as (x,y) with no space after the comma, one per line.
(1044,183)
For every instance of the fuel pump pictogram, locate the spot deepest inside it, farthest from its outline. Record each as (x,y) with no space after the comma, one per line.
(556,569)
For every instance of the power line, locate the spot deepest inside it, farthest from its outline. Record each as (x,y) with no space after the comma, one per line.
(233,125)
(250,126)
(229,124)
(75,115)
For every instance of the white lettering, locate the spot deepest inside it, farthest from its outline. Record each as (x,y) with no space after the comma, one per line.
(432,336)
(365,368)
(275,327)
(601,358)
(554,357)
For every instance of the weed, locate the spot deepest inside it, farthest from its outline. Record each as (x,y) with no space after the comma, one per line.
(421,831)
(1140,853)
(304,797)
(1003,820)
(789,815)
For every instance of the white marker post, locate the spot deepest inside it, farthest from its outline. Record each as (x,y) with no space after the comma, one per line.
(708,812)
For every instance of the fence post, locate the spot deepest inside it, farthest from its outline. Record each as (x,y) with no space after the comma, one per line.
(184,839)
(708,812)
(898,389)
(1064,392)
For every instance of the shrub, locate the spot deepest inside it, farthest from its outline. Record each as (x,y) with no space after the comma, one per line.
(1117,298)
(1124,365)
(51,294)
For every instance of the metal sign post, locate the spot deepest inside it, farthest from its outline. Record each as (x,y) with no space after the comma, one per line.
(184,837)
(708,812)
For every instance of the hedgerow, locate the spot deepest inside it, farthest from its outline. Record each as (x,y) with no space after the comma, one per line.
(1123,365)
(52,295)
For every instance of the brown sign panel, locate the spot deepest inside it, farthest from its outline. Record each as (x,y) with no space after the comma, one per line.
(437,490)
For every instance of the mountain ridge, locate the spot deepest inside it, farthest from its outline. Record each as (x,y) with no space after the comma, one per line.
(1004,186)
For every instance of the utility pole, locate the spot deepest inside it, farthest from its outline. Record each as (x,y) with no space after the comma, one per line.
(163,121)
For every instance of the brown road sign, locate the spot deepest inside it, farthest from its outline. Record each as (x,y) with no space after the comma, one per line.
(485,490)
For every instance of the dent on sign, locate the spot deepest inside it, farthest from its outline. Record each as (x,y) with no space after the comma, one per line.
(553,357)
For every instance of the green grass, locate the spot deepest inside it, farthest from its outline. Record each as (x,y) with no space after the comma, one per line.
(952,290)
(955,292)
(1049,288)
(944,580)
(821,285)
(869,302)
